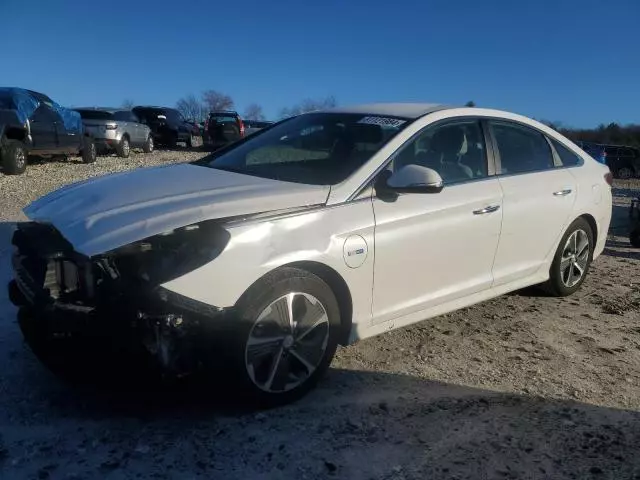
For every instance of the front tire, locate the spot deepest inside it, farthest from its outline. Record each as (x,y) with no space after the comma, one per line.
(89,153)
(572,260)
(285,337)
(124,147)
(14,157)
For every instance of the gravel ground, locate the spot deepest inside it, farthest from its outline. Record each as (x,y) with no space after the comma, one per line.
(523,386)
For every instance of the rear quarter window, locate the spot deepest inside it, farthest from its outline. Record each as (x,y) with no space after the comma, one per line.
(567,157)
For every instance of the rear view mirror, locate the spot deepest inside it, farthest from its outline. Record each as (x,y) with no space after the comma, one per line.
(414,178)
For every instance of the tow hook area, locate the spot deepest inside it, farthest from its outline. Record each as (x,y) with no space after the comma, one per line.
(168,338)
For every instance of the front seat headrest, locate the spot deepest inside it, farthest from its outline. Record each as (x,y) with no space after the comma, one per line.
(448,140)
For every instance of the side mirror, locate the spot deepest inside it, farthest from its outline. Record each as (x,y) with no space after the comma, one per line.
(414,178)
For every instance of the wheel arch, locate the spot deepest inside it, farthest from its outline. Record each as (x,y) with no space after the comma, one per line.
(337,284)
(592,223)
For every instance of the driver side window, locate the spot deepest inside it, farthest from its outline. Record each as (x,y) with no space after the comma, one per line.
(456,150)
(44,114)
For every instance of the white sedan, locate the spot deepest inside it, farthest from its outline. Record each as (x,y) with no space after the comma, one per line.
(320,230)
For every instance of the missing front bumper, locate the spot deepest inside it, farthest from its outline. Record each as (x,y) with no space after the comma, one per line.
(178,341)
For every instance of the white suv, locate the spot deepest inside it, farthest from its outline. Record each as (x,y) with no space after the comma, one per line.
(326,228)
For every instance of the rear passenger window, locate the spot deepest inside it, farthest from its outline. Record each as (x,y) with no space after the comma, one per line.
(567,157)
(521,149)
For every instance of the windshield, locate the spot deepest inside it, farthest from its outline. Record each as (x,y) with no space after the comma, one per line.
(316,148)
(222,118)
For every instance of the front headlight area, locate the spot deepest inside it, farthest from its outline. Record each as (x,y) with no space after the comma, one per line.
(148,263)
(129,280)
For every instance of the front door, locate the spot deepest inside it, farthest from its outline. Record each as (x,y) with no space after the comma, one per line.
(437,247)
(43,128)
(538,201)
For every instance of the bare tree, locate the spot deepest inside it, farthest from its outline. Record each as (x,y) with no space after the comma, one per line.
(215,100)
(127,103)
(308,105)
(254,112)
(191,108)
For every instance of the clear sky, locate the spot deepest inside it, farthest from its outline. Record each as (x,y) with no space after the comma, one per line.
(573,61)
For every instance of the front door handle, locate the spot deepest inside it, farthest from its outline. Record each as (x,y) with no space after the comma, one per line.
(563,193)
(489,209)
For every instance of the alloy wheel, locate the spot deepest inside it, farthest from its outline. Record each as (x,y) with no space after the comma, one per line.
(150,144)
(21,159)
(125,147)
(575,257)
(287,342)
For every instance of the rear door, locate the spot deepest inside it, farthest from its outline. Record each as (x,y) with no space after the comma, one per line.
(537,204)
(139,129)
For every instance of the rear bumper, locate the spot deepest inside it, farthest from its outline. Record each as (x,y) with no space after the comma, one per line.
(106,143)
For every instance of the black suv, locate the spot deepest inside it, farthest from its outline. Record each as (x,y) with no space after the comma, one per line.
(167,125)
(224,127)
(624,162)
(31,124)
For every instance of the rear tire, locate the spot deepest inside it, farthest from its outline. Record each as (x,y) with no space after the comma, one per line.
(148,145)
(634,238)
(291,364)
(124,147)
(89,153)
(14,157)
(572,260)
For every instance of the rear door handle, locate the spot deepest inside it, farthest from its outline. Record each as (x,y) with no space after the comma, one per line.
(563,193)
(489,209)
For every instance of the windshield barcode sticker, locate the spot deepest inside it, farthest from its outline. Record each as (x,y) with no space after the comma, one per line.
(382,121)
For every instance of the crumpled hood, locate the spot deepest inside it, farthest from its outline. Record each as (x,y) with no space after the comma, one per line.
(104,213)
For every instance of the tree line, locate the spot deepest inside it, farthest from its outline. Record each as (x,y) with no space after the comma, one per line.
(197,108)
(611,134)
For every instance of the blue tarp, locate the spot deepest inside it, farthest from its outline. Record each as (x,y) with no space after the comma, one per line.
(71,119)
(19,100)
(25,104)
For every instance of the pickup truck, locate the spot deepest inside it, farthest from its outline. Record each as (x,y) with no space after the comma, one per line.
(31,124)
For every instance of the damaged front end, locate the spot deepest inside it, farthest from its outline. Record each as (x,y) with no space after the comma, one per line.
(117,296)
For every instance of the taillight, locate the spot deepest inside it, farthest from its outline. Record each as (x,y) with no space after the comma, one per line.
(241,127)
(111,126)
(608,177)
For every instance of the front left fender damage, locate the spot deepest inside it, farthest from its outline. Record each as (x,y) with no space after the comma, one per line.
(116,299)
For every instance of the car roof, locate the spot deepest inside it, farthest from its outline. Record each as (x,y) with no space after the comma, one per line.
(406,110)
